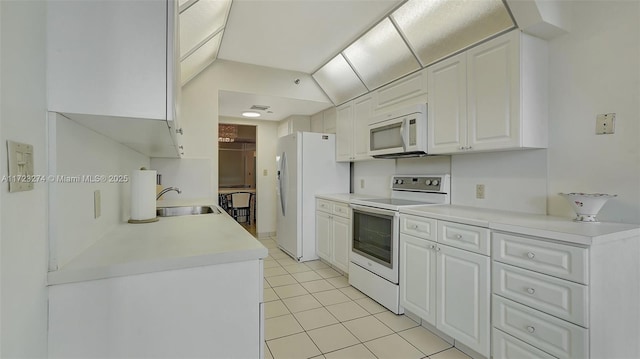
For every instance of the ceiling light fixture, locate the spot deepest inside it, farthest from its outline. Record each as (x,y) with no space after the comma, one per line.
(251,114)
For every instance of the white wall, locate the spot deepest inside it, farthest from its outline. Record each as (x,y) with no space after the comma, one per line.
(595,69)
(23,244)
(191,175)
(81,151)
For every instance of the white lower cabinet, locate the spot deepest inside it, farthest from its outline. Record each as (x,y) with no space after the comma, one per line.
(447,287)
(506,346)
(333,233)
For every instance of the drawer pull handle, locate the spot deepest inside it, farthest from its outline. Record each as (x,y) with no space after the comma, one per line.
(531,290)
(433,246)
(458,236)
(415,226)
(531,255)
(531,329)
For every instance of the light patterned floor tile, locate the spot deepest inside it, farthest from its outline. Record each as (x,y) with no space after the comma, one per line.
(330,297)
(296,346)
(315,318)
(339,282)
(288,261)
(292,290)
(355,352)
(281,326)
(270,263)
(352,293)
(393,347)
(269,243)
(274,271)
(424,340)
(297,268)
(328,273)
(396,322)
(317,286)
(267,352)
(276,254)
(280,280)
(347,311)
(302,303)
(332,338)
(275,308)
(317,264)
(306,276)
(367,328)
(370,305)
(269,295)
(452,353)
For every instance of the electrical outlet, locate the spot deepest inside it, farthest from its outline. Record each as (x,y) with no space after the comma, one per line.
(265,172)
(605,123)
(480,191)
(362,183)
(97,206)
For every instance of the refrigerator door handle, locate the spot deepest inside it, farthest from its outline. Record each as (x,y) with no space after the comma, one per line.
(282,177)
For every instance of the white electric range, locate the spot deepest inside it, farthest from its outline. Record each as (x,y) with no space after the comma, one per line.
(376,234)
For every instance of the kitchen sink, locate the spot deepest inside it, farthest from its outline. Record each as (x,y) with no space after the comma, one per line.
(186,211)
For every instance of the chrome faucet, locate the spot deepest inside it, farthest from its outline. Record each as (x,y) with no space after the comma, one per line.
(168,189)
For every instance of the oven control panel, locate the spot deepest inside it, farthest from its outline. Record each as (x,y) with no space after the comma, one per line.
(420,183)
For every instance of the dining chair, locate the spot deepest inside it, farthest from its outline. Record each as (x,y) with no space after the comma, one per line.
(241,206)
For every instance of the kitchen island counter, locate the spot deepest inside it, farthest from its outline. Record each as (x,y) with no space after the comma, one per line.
(169,244)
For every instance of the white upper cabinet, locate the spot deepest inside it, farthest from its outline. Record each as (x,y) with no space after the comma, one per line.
(491,97)
(115,61)
(324,121)
(409,90)
(352,133)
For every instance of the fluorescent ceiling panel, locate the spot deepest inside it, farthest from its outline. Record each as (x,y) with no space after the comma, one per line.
(201,58)
(438,28)
(200,21)
(381,55)
(338,80)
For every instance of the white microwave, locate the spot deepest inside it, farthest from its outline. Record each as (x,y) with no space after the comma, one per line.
(398,134)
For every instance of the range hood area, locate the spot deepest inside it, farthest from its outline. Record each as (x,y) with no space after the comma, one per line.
(415,35)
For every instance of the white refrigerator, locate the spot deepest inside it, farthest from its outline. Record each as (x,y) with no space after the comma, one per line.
(306,166)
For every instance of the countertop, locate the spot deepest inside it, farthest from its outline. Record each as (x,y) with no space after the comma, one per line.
(171,243)
(344,197)
(556,228)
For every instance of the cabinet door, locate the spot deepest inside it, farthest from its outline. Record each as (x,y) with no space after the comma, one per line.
(344,133)
(362,114)
(329,121)
(323,235)
(447,110)
(493,90)
(341,243)
(418,277)
(463,297)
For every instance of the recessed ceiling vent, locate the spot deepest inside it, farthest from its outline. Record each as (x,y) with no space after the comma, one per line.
(260,107)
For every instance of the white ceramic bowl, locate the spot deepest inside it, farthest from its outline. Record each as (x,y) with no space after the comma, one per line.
(587,205)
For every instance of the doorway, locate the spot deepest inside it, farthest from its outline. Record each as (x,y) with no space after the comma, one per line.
(237,172)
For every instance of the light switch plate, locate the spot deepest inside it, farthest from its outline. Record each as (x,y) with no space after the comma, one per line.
(20,166)
(605,123)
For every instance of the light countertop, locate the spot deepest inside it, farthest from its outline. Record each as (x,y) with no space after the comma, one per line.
(344,197)
(556,228)
(171,243)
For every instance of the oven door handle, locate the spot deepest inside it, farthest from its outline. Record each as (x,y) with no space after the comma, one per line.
(365,209)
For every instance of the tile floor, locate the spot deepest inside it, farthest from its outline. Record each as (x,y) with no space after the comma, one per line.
(311,311)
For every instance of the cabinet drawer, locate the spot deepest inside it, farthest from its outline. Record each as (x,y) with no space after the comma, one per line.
(323,205)
(341,209)
(507,347)
(418,226)
(558,260)
(548,333)
(471,238)
(558,297)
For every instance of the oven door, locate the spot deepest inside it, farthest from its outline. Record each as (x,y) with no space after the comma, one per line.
(375,241)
